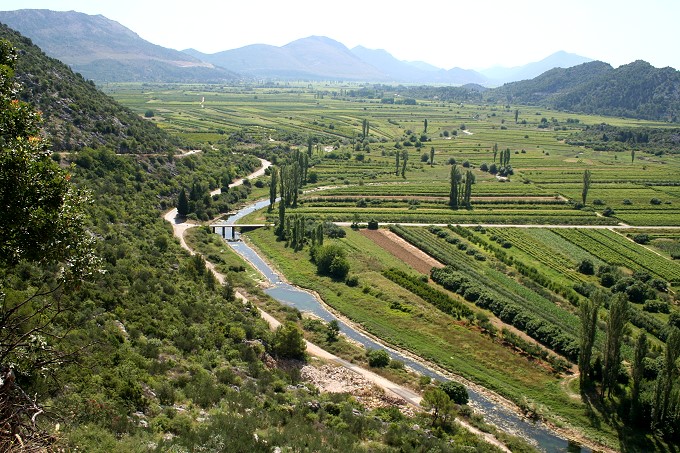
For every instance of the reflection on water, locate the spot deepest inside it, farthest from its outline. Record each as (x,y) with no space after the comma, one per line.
(494,413)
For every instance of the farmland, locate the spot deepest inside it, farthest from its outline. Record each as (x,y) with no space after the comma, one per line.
(504,312)
(327,119)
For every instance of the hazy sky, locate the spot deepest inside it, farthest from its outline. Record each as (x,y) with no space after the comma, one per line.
(474,34)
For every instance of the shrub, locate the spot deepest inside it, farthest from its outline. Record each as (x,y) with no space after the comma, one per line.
(641,238)
(330,260)
(352,281)
(608,212)
(607,279)
(586,267)
(656,306)
(456,391)
(378,358)
(289,342)
(655,201)
(339,267)
(372,224)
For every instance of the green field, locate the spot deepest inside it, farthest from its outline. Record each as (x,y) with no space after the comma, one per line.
(530,279)
(544,165)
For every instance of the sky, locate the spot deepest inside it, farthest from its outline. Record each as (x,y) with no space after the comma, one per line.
(475,34)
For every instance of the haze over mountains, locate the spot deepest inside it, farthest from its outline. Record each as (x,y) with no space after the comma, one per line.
(105,51)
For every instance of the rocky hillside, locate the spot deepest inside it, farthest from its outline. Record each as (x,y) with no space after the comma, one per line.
(105,51)
(76,114)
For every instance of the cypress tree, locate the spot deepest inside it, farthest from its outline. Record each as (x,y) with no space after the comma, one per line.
(182,204)
(586,186)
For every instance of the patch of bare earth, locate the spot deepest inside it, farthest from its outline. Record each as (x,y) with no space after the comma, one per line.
(413,256)
(337,379)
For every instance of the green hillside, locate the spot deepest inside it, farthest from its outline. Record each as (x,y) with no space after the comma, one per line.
(635,90)
(144,350)
(76,114)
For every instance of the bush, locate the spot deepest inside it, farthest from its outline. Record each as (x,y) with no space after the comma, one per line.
(372,224)
(378,358)
(607,279)
(641,238)
(655,201)
(352,281)
(656,306)
(339,268)
(608,212)
(330,260)
(288,342)
(586,267)
(456,391)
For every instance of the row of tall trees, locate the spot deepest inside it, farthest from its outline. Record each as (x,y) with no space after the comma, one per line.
(652,398)
(461,188)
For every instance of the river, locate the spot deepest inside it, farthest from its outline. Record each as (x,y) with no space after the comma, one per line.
(497,414)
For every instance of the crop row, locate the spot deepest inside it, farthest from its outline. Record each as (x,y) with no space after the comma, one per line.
(485,274)
(619,251)
(445,216)
(429,294)
(505,309)
(539,251)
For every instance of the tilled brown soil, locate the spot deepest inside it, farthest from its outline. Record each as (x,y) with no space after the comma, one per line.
(413,256)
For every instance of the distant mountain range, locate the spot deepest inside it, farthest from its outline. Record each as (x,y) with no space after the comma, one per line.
(104,51)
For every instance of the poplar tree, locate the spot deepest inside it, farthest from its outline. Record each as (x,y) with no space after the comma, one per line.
(666,378)
(396,172)
(637,372)
(467,192)
(431,156)
(453,193)
(618,317)
(404,160)
(272,188)
(588,310)
(586,186)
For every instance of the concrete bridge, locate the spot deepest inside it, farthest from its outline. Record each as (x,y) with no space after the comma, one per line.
(228,230)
